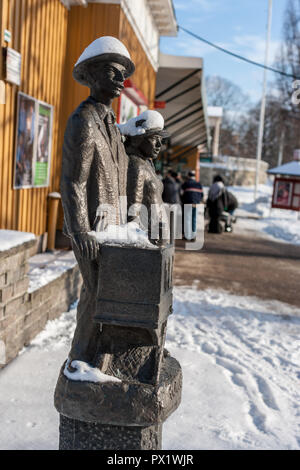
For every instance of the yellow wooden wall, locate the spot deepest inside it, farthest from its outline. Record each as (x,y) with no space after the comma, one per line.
(39,31)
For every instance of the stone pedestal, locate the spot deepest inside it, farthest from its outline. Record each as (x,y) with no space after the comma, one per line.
(78,435)
(133,302)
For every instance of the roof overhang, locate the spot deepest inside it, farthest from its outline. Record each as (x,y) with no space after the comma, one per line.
(164,16)
(162,11)
(180,84)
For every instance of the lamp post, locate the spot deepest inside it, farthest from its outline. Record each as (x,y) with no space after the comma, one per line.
(263,103)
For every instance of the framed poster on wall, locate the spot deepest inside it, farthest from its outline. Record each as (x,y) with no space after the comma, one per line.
(33,143)
(43,148)
(25,141)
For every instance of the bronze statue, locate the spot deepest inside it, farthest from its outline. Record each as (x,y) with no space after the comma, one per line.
(94,172)
(144,135)
(119,384)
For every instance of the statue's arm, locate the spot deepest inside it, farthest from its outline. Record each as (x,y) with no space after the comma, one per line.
(78,151)
(135,189)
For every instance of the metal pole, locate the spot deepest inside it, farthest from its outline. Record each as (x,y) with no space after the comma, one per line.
(263,104)
(281,145)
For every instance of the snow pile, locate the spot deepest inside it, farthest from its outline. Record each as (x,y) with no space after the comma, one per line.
(45,267)
(124,235)
(11,238)
(240,358)
(86,373)
(152,120)
(278,224)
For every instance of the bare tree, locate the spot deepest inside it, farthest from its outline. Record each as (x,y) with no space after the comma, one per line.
(235,104)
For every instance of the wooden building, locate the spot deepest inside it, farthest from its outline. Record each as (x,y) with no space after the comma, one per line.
(41,41)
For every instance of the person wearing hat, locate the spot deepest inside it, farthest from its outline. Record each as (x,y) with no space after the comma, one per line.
(144,135)
(94,174)
(192,194)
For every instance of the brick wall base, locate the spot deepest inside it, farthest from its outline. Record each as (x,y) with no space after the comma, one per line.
(23,315)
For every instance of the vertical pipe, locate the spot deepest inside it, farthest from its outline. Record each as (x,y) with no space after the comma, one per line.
(263,103)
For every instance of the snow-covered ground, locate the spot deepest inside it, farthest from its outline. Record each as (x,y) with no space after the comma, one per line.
(240,358)
(277,224)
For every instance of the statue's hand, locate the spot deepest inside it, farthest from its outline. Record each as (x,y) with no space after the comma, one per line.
(87,245)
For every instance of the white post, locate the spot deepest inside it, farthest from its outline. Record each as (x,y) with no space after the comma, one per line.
(263,104)
(281,144)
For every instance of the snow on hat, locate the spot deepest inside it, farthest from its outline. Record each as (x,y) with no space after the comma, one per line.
(102,49)
(149,122)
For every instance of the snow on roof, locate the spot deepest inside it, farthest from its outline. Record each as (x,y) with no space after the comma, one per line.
(288,169)
(11,238)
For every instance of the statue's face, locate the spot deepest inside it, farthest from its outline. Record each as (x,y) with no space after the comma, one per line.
(151,145)
(108,77)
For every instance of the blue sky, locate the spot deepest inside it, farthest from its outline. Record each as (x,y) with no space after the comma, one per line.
(237,25)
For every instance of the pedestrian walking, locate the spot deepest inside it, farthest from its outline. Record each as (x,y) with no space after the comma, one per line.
(171,190)
(192,195)
(221,205)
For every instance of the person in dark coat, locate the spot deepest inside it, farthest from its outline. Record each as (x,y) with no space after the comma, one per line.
(192,194)
(221,205)
(94,174)
(171,191)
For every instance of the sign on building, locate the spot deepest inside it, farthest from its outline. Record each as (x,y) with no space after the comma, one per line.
(13,66)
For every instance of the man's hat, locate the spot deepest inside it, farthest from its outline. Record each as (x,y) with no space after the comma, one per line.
(106,48)
(148,123)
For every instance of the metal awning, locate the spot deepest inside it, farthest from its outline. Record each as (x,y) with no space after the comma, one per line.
(180,85)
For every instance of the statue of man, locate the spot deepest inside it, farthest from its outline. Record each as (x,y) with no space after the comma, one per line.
(94,174)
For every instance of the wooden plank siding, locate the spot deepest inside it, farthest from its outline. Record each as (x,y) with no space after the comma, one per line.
(39,31)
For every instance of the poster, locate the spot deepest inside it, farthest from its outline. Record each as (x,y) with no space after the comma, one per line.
(25,144)
(33,143)
(41,170)
(283,193)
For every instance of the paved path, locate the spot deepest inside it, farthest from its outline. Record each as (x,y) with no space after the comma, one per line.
(243,264)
